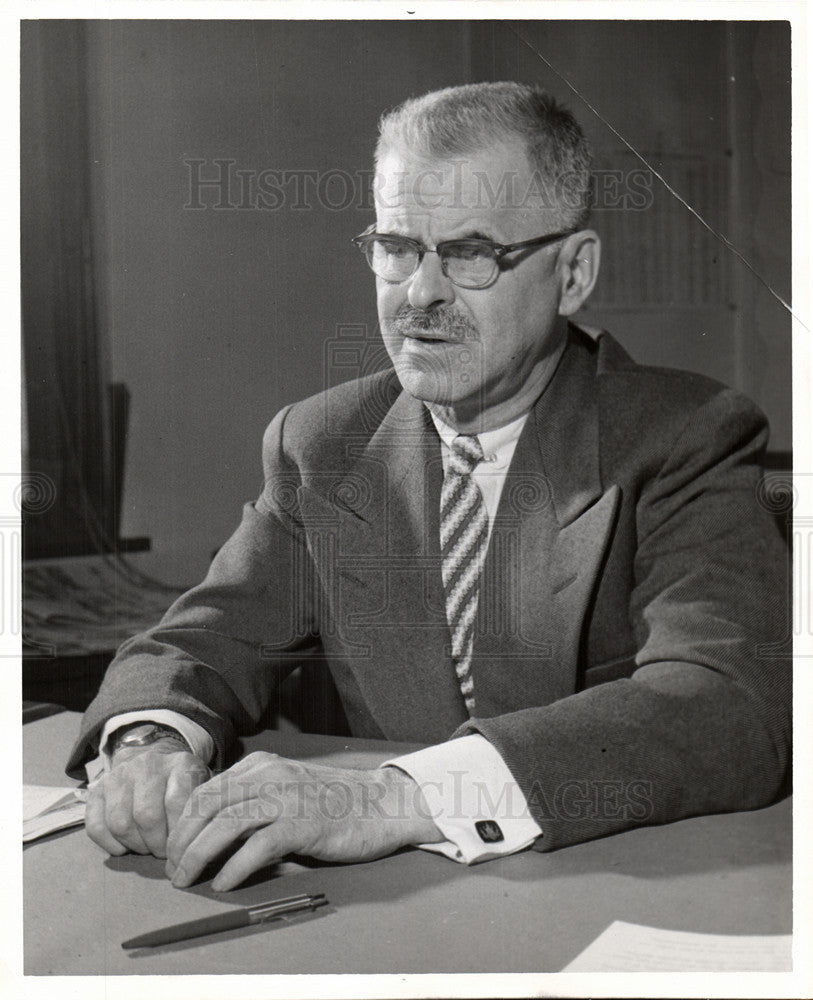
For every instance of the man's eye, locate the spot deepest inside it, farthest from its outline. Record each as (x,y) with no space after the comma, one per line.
(392,248)
(469,251)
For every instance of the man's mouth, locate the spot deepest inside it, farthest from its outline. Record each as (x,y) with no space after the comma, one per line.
(426,338)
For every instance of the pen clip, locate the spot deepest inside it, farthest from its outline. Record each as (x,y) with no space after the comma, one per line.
(292,904)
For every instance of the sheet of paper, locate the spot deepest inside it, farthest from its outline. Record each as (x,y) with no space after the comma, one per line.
(46,810)
(625,947)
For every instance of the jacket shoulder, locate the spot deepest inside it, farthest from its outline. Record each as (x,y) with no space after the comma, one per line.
(320,428)
(630,391)
(645,410)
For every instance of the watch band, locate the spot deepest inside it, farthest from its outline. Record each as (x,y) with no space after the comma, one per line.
(143,734)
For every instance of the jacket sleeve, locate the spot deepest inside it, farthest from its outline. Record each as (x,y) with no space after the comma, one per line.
(703,724)
(221,650)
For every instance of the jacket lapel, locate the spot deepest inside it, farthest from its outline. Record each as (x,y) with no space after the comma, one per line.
(374,538)
(552,529)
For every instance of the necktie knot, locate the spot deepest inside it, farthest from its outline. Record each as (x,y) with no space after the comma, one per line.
(466,453)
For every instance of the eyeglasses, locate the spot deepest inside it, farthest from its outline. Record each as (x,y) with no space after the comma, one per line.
(469,263)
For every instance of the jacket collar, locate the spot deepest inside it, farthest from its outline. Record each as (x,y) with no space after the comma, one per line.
(565,423)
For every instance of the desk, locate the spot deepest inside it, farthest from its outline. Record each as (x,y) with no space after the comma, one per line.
(413,912)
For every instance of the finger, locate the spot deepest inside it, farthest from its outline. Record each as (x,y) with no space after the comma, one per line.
(118,814)
(220,833)
(95,824)
(263,848)
(202,806)
(180,785)
(149,815)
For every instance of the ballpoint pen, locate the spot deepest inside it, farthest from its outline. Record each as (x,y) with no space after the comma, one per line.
(227,921)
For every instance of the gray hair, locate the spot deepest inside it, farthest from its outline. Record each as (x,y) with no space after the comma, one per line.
(467,119)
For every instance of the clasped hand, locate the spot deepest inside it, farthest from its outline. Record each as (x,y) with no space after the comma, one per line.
(273,805)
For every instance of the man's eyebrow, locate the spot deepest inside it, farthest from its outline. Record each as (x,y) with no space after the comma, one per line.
(395,233)
(475,234)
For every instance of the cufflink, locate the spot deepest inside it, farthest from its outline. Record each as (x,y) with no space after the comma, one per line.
(489,830)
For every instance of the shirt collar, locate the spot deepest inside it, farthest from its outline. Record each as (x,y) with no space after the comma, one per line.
(492,442)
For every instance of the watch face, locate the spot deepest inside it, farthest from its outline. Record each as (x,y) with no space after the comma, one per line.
(145,734)
(139,736)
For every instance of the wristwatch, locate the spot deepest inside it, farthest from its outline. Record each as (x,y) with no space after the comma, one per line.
(143,734)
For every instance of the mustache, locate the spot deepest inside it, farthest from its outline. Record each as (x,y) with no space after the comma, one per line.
(444,322)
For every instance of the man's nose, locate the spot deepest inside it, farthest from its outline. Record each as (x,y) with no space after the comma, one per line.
(429,286)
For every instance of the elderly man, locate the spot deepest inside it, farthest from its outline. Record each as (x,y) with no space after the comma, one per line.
(517,546)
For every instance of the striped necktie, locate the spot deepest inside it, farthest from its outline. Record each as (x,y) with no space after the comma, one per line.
(463,542)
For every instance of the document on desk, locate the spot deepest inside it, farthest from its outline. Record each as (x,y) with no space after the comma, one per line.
(627,947)
(46,810)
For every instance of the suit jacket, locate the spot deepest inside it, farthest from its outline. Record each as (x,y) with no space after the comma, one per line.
(629,661)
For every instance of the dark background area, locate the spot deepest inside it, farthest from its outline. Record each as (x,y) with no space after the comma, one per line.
(214,318)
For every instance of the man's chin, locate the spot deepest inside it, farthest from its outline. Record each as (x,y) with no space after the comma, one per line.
(427,385)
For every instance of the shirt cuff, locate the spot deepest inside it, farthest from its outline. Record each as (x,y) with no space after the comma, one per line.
(472,798)
(200,742)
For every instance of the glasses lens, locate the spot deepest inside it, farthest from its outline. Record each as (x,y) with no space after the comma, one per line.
(470,263)
(392,259)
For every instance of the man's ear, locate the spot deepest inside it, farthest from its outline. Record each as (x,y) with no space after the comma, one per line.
(578,265)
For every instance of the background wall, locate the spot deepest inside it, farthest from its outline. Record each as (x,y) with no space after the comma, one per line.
(217,316)
(707,104)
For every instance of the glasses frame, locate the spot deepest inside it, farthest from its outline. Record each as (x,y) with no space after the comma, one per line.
(365,239)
